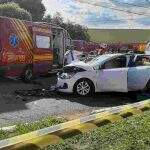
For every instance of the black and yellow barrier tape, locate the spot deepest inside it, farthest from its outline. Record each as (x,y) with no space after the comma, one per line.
(52,135)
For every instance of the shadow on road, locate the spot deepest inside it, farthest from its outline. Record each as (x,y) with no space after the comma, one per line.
(108,99)
(10,101)
(103,99)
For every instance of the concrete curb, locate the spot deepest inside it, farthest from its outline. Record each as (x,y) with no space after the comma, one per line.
(52,135)
(106,109)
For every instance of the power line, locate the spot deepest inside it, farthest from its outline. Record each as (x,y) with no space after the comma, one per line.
(130,4)
(127,11)
(117,9)
(111,20)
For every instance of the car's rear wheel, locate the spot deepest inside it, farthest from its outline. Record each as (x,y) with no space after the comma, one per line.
(84,87)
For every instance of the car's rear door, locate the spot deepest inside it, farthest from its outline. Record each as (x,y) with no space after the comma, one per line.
(112,77)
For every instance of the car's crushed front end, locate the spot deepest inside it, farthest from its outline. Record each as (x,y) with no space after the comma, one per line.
(67,78)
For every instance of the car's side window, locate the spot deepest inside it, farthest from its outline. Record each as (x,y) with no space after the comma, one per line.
(142,61)
(119,62)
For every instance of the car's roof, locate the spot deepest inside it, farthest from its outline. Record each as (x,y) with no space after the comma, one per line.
(136,54)
(142,55)
(112,55)
(108,56)
(102,58)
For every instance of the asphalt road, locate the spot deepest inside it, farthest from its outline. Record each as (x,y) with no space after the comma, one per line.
(15,108)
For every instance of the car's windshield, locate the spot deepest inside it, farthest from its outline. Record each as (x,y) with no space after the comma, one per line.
(96,62)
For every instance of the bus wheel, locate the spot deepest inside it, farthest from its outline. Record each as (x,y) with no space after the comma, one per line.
(28,74)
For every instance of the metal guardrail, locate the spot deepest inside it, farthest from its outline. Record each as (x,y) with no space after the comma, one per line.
(52,135)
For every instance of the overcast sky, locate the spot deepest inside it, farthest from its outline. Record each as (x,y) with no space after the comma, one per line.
(103,17)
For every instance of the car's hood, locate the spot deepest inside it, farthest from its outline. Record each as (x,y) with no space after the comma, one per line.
(81,64)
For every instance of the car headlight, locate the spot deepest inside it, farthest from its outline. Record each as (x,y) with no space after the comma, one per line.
(66,75)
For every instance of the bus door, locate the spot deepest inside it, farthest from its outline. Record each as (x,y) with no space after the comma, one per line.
(58,46)
(43,55)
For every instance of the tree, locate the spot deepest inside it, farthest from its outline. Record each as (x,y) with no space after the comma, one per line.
(57,19)
(35,7)
(47,19)
(76,31)
(13,10)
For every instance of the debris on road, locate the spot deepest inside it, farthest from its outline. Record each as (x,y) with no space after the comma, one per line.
(37,92)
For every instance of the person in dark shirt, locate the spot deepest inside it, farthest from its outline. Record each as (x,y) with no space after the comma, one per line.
(131,62)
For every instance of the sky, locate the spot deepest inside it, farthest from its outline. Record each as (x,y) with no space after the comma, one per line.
(103,13)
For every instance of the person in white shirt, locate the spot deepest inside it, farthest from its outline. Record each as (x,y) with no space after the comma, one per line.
(71,56)
(147,49)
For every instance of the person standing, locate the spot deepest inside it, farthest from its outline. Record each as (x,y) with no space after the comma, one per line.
(71,56)
(147,49)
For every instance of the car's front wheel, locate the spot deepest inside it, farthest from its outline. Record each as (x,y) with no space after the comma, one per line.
(84,87)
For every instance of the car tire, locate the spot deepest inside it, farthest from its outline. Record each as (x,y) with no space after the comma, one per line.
(27,74)
(84,87)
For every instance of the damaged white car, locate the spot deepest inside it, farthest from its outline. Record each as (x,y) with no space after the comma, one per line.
(106,73)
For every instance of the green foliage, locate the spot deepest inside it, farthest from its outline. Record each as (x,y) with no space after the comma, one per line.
(35,7)
(119,35)
(37,10)
(26,128)
(57,19)
(76,31)
(14,11)
(47,19)
(129,134)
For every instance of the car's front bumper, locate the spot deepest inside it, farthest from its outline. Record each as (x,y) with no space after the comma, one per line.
(65,85)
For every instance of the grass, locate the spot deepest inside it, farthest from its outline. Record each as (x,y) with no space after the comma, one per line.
(26,128)
(115,36)
(129,134)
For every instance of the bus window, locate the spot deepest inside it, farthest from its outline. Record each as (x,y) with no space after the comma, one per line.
(43,42)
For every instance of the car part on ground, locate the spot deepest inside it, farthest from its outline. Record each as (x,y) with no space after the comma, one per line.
(37,92)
